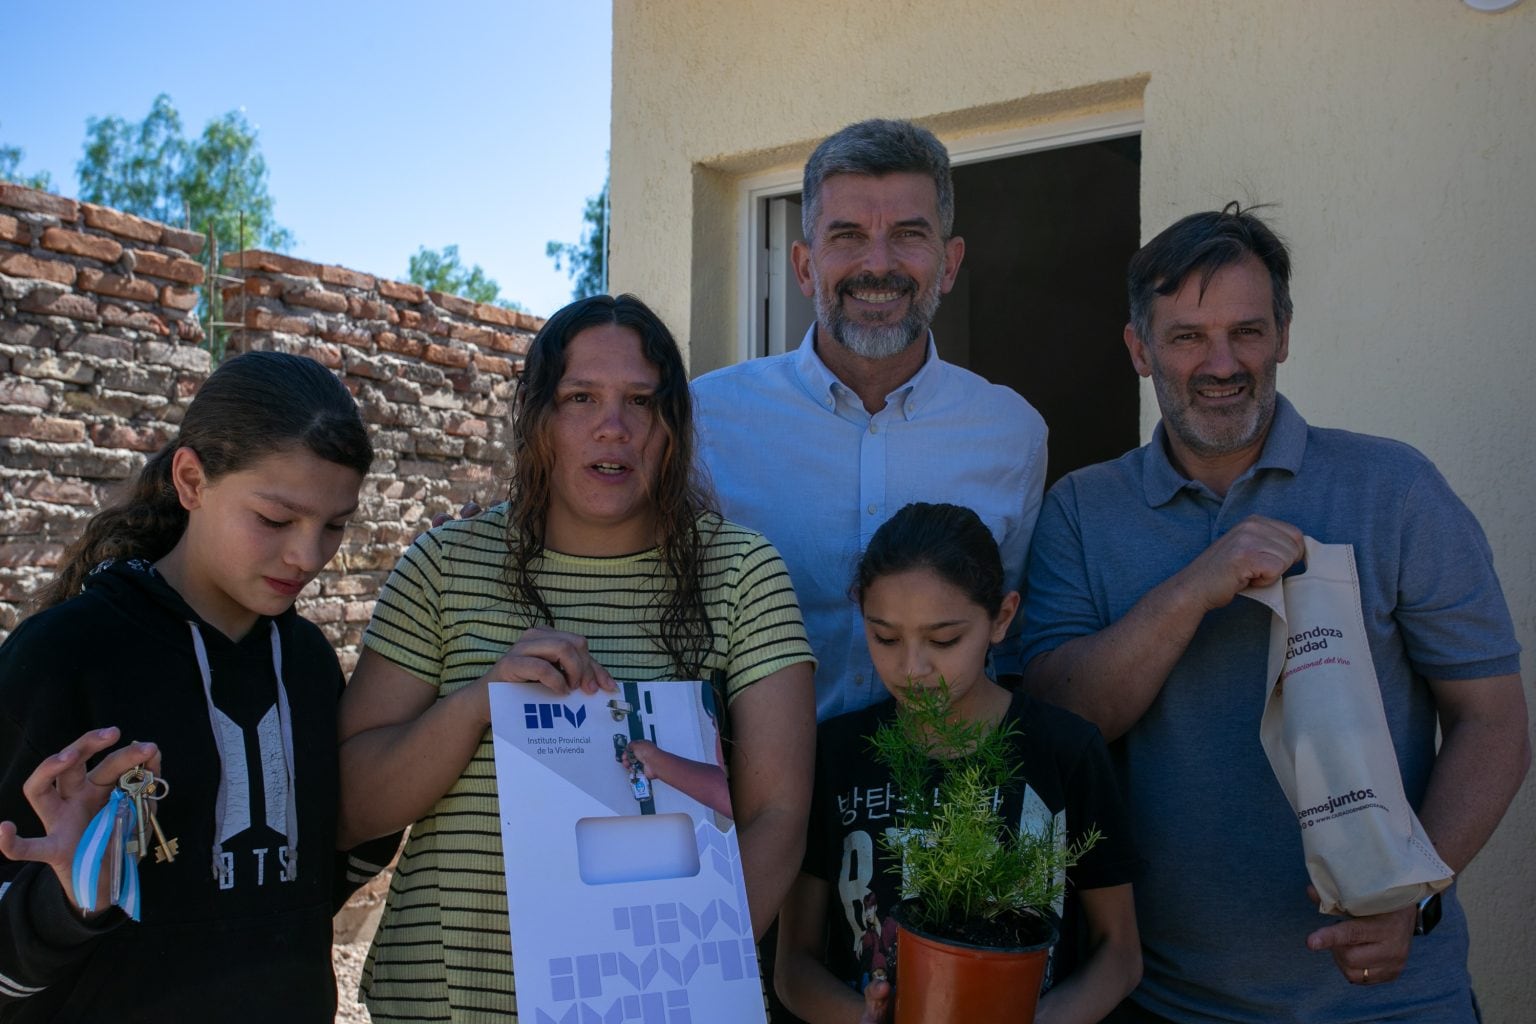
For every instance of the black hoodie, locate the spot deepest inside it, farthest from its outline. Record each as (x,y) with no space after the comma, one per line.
(244,935)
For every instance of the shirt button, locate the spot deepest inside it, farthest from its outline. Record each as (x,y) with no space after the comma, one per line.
(871,509)
(874,429)
(859,678)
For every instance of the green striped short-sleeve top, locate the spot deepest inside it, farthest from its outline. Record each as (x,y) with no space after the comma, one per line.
(442,951)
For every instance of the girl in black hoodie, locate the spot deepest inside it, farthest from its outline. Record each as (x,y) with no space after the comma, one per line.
(171,621)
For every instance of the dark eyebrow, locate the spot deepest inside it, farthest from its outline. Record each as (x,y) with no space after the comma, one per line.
(1179,326)
(570,382)
(910,222)
(924,626)
(298,509)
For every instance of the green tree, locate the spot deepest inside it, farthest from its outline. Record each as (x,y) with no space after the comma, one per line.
(586,261)
(150,168)
(213,184)
(133,167)
(224,179)
(441,270)
(10,160)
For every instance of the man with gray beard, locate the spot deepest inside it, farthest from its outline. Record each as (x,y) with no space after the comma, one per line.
(1133,621)
(818,447)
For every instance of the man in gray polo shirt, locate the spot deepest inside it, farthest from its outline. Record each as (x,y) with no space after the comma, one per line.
(1131,620)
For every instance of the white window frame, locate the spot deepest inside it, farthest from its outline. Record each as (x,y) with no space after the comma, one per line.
(753,191)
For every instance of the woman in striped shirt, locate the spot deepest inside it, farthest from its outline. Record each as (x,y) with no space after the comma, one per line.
(606,561)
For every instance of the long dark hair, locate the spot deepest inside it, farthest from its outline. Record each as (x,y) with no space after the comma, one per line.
(948,540)
(684,631)
(252,406)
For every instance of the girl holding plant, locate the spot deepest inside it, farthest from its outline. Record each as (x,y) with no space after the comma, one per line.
(930,587)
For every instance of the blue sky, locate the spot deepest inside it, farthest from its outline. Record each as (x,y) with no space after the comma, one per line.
(385,125)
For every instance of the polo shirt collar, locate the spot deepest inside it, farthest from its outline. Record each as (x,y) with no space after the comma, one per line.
(824,387)
(1283,449)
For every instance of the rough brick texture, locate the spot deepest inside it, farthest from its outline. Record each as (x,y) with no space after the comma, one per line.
(89,381)
(99,358)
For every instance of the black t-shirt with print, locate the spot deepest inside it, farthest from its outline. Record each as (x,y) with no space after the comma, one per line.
(1065,772)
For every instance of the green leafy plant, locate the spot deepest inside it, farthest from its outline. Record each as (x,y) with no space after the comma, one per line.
(966,872)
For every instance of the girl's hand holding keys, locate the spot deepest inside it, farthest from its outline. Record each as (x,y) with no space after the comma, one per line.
(66,795)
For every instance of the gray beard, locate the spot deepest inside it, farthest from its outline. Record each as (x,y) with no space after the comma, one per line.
(1212,439)
(877,341)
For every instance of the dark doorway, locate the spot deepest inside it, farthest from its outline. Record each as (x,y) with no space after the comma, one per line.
(1040,304)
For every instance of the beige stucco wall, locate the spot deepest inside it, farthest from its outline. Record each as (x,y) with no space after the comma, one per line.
(1398,137)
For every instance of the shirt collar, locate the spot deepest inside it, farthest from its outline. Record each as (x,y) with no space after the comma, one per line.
(1283,449)
(824,387)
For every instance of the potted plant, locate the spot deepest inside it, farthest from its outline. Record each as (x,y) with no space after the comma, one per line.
(977,919)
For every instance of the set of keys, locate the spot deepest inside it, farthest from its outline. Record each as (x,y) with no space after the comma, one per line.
(143,790)
(117,837)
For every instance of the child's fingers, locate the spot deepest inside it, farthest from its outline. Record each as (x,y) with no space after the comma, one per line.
(59,770)
(105,775)
(19,848)
(14,847)
(94,742)
(64,776)
(71,759)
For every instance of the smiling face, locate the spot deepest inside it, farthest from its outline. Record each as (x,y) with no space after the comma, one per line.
(921,628)
(607,444)
(257,536)
(877,263)
(1212,361)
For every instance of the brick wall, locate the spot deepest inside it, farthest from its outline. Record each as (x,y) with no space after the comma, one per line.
(98,358)
(100,351)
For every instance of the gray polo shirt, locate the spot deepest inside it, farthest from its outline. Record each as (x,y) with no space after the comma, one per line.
(1222,905)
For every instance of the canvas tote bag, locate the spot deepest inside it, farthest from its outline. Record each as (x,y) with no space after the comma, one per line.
(1325,732)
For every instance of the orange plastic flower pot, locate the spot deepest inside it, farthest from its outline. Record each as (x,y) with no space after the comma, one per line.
(939,980)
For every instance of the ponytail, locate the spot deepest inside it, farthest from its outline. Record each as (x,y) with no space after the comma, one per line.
(146,523)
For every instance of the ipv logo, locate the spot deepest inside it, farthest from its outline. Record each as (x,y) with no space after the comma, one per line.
(544,716)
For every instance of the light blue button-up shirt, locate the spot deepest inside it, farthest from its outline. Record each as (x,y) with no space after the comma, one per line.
(793,453)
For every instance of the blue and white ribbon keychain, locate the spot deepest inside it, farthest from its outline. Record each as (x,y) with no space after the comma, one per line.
(110,840)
